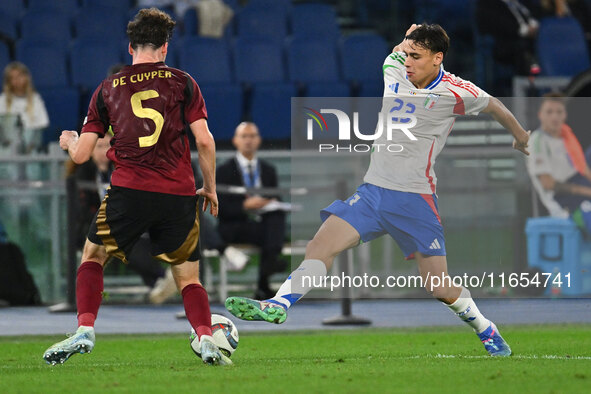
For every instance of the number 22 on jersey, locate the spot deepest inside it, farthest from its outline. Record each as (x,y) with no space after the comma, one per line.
(147,113)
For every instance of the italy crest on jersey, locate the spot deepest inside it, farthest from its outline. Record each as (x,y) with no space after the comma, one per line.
(430,100)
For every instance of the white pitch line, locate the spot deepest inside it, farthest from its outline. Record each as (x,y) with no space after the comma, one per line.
(426,356)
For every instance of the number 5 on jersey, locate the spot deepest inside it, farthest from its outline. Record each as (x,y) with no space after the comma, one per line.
(147,113)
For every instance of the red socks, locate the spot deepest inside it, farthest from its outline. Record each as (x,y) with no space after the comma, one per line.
(89,292)
(197,308)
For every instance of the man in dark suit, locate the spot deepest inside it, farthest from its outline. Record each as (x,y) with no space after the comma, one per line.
(513,26)
(239,217)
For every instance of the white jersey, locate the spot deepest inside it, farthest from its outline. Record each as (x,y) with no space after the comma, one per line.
(430,114)
(548,155)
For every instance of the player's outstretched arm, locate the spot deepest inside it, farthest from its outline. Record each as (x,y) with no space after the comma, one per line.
(206,148)
(501,114)
(79,148)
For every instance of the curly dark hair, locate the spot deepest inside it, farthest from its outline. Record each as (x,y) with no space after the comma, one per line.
(150,27)
(432,37)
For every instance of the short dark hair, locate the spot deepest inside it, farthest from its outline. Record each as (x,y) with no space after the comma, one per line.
(556,97)
(431,37)
(150,27)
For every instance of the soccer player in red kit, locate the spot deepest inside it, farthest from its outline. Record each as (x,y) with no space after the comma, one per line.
(149,106)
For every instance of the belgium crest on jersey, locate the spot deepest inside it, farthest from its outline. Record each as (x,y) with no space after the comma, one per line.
(430,100)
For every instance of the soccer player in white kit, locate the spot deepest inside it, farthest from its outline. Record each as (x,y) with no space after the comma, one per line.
(398,196)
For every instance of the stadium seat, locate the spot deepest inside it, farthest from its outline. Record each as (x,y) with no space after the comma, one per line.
(257,60)
(271,109)
(46,24)
(52,71)
(12,8)
(4,55)
(206,59)
(122,6)
(8,31)
(262,22)
(312,60)
(90,61)
(235,4)
(314,20)
(330,89)
(63,108)
(362,57)
(224,108)
(66,7)
(172,58)
(371,89)
(99,22)
(561,47)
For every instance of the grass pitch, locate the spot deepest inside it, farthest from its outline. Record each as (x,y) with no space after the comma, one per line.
(547,359)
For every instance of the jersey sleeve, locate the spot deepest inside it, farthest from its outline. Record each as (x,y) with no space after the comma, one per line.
(538,162)
(97,119)
(475,99)
(195,108)
(394,70)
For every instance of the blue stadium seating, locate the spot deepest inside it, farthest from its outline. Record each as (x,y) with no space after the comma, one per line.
(172,55)
(4,55)
(271,109)
(224,108)
(12,8)
(362,57)
(206,59)
(90,61)
(122,6)
(46,60)
(314,20)
(46,24)
(8,27)
(258,61)
(330,89)
(560,39)
(99,22)
(259,22)
(63,108)
(312,60)
(66,7)
(235,4)
(371,89)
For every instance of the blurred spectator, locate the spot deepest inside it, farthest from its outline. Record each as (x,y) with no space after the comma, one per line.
(22,132)
(241,217)
(557,165)
(578,9)
(514,29)
(16,283)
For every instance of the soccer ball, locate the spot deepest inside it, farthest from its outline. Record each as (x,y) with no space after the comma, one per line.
(225,335)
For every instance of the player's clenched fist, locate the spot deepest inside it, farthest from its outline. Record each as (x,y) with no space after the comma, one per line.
(522,144)
(67,137)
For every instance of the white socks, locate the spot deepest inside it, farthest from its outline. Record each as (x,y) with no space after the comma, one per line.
(300,282)
(465,308)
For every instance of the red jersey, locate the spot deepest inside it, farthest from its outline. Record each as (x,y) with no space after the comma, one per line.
(149,106)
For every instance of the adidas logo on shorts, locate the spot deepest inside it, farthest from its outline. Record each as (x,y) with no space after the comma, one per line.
(435,244)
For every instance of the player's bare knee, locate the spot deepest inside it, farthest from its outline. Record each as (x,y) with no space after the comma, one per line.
(186,274)
(94,252)
(317,249)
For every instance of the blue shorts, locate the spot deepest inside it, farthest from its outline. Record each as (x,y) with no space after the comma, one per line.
(412,219)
